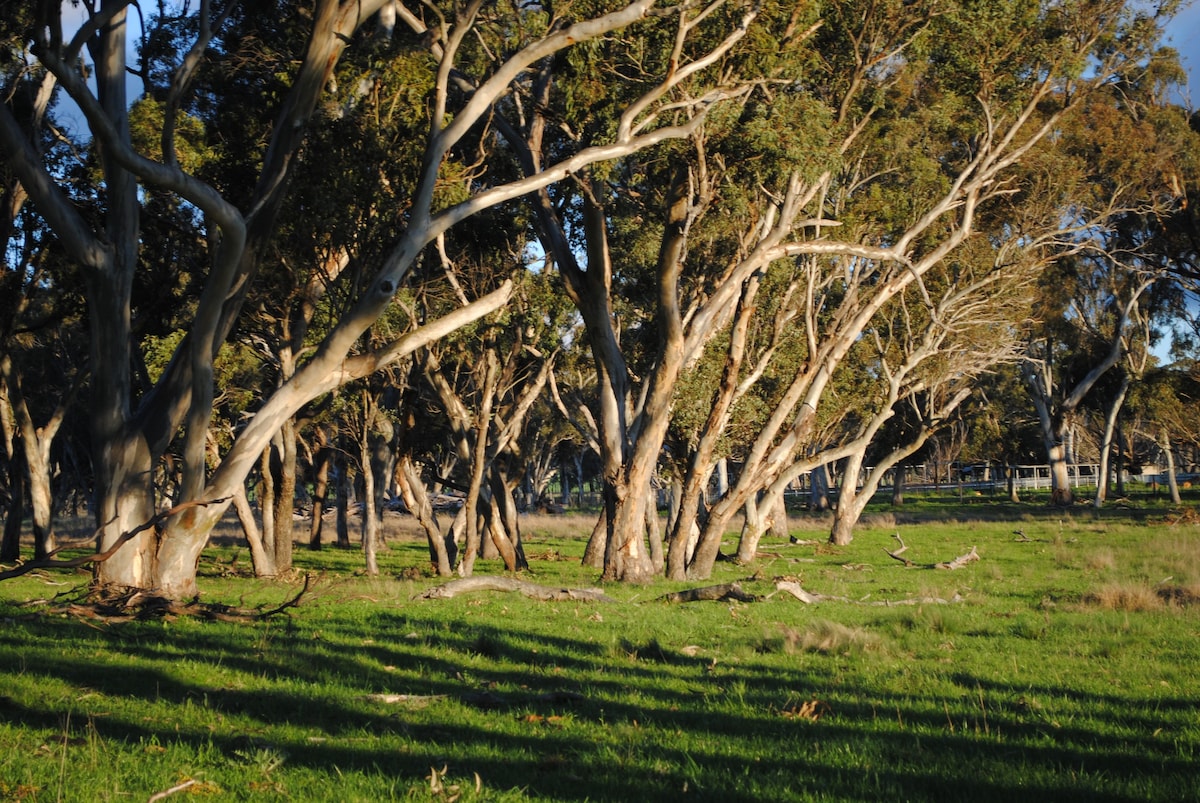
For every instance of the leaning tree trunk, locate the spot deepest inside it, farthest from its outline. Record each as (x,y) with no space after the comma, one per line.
(850,503)
(768,513)
(593,552)
(262,560)
(266,501)
(654,533)
(1106,442)
(753,527)
(1164,443)
(442,549)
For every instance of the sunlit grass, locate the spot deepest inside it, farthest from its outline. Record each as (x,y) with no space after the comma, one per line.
(1048,681)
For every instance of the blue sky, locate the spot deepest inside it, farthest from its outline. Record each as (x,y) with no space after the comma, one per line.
(1183,34)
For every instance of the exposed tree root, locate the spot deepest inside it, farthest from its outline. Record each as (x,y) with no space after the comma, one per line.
(471,585)
(107,605)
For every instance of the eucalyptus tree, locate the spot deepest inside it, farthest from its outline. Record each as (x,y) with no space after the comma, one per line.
(941,148)
(488,379)
(1002,428)
(1119,168)
(926,353)
(39,315)
(476,56)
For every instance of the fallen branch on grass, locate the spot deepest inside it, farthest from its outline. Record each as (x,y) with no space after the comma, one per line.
(173,790)
(471,585)
(809,598)
(957,563)
(724,591)
(108,605)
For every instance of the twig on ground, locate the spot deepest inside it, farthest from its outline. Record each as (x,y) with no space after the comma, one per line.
(173,790)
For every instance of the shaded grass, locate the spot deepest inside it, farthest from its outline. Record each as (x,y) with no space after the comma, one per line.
(1027,689)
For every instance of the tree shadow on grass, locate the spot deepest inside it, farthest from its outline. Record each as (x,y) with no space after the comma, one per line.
(567,719)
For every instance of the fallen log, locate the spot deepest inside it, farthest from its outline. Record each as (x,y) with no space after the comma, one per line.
(472,585)
(809,598)
(724,591)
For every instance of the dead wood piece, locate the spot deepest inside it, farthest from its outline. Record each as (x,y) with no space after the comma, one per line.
(957,563)
(809,598)
(897,554)
(960,561)
(724,591)
(114,605)
(471,585)
(173,790)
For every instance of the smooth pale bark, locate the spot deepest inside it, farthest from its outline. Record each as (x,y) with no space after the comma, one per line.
(35,445)
(754,525)
(442,550)
(701,460)
(593,553)
(1056,419)
(654,533)
(129,447)
(262,560)
(1106,440)
(779,514)
(370,522)
(1164,443)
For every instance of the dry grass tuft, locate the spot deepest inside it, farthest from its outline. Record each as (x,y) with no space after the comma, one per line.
(879,521)
(1132,598)
(1129,598)
(1101,559)
(824,637)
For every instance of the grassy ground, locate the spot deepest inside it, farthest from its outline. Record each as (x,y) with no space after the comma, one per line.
(1070,670)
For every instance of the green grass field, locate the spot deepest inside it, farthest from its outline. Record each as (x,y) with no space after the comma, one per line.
(1069,670)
